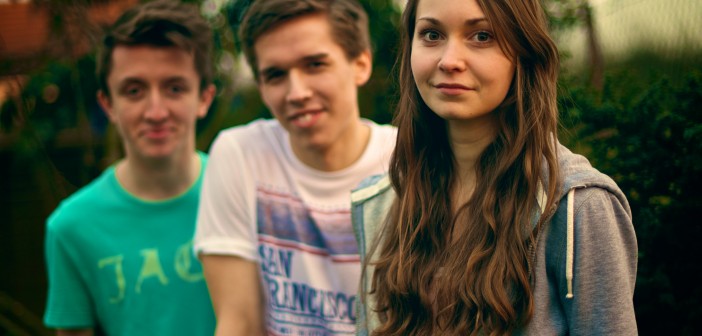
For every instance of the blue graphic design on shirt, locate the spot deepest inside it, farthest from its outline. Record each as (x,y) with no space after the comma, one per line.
(289,233)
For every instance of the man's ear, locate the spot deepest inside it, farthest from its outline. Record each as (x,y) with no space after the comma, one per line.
(364,67)
(106,104)
(206,97)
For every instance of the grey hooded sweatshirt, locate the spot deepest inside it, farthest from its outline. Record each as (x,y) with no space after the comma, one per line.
(584,269)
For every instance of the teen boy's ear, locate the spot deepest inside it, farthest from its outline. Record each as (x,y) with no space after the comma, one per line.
(105,103)
(206,97)
(363,65)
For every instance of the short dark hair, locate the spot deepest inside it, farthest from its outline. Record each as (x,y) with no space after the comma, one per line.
(347,18)
(160,23)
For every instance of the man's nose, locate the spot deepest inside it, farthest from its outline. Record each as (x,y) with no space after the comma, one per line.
(298,90)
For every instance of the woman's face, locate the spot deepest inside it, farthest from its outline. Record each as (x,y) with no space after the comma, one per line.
(458,66)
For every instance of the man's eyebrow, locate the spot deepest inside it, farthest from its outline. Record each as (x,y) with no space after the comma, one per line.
(269,70)
(138,80)
(128,81)
(469,22)
(175,79)
(315,57)
(309,58)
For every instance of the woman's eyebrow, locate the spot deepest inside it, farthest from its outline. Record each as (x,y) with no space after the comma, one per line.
(468,22)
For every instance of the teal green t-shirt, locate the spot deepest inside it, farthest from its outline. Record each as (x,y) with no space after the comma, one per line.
(125,265)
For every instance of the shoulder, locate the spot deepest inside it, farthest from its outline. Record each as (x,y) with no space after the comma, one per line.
(587,184)
(371,187)
(370,203)
(599,209)
(255,128)
(71,212)
(591,205)
(379,149)
(384,133)
(203,158)
(577,172)
(590,256)
(260,134)
(385,129)
(598,219)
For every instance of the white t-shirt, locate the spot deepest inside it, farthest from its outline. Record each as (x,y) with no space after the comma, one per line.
(261,203)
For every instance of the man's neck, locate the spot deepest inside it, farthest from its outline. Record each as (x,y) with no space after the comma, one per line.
(158,179)
(342,154)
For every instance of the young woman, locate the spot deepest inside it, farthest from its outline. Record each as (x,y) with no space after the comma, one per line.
(486,225)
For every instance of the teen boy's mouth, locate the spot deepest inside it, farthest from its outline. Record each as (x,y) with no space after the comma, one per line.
(158,133)
(305,119)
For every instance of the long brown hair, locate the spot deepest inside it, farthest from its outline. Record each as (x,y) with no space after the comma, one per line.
(484,286)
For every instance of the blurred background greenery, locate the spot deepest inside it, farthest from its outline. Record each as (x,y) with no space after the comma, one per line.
(630,100)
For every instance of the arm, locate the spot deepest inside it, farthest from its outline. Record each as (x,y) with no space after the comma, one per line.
(226,240)
(69,304)
(605,263)
(235,289)
(74,332)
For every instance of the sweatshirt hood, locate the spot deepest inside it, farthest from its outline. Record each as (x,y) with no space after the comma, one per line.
(576,172)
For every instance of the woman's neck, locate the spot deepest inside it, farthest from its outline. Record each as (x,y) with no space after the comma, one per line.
(468,142)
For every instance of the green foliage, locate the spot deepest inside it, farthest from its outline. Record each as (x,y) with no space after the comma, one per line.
(55,98)
(644,130)
(377,97)
(564,14)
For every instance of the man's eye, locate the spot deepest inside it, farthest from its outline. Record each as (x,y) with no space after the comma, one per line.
(272,76)
(176,89)
(133,92)
(316,64)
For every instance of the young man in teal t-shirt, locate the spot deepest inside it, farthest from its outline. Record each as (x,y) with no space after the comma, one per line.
(119,251)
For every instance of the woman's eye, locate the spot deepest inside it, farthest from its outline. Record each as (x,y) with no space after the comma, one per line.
(430,35)
(482,36)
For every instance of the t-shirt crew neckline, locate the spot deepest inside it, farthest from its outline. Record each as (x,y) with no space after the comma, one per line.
(295,161)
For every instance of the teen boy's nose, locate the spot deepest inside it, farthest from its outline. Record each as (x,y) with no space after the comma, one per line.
(156,109)
(298,89)
(452,57)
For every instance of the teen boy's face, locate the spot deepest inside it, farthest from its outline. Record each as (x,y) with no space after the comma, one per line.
(309,84)
(155,100)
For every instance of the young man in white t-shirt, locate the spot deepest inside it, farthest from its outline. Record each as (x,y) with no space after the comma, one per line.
(274,229)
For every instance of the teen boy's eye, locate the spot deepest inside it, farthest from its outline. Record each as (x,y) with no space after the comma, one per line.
(272,76)
(176,89)
(316,65)
(133,91)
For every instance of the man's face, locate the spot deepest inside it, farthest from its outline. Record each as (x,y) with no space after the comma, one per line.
(155,100)
(309,84)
